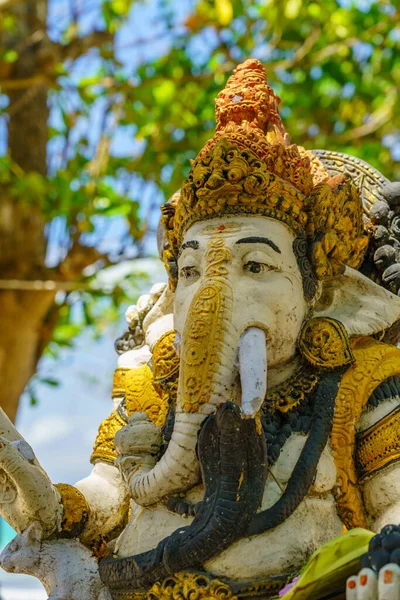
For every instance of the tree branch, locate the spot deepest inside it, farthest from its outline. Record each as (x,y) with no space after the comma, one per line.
(8,3)
(24,82)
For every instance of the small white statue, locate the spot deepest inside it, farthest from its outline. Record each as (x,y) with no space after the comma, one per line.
(66,568)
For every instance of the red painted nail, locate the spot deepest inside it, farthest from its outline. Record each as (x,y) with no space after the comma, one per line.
(364,579)
(351,584)
(387,576)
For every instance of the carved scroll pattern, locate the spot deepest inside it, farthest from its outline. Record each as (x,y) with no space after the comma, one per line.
(368,179)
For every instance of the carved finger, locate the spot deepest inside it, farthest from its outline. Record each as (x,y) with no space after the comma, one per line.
(389,582)
(351,588)
(367,588)
(7,428)
(8,492)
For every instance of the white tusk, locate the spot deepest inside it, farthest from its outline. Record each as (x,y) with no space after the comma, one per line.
(253,370)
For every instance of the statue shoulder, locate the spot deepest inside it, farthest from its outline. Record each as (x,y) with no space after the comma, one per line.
(374,364)
(134,390)
(378,430)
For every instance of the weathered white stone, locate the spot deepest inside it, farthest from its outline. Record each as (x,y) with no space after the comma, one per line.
(66,568)
(26,493)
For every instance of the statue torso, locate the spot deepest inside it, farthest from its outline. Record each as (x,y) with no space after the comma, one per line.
(322,513)
(283,549)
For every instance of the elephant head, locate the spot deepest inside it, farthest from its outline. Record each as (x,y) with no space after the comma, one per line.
(259,240)
(239,306)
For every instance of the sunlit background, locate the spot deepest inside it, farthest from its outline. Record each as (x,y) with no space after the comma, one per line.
(130,87)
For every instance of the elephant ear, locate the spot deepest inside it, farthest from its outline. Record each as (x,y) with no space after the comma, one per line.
(361,305)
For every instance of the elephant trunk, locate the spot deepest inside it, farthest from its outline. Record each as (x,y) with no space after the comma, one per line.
(210,351)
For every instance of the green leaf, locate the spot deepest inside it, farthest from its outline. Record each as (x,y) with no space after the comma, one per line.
(10,56)
(164,92)
(120,7)
(292,8)
(65,333)
(49,381)
(224,11)
(330,566)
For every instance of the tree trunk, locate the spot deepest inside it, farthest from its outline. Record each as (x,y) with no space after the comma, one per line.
(22,226)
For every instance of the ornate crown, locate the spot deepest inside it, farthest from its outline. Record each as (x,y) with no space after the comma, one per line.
(249,167)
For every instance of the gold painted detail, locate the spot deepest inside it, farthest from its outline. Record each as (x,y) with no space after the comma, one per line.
(324,343)
(379,445)
(249,167)
(291,392)
(374,362)
(119,382)
(165,361)
(203,336)
(196,586)
(104,449)
(144,395)
(190,586)
(76,510)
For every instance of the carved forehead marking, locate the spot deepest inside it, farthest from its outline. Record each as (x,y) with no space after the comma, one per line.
(217,256)
(227,227)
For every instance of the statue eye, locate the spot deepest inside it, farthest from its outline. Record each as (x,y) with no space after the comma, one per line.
(189,273)
(256,267)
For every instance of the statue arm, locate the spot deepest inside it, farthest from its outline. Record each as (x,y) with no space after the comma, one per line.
(108,499)
(104,489)
(378,461)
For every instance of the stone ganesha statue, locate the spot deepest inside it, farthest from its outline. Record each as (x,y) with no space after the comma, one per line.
(257,396)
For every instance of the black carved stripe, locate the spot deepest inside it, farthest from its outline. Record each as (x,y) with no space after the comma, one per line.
(306,467)
(235,501)
(388,390)
(233,461)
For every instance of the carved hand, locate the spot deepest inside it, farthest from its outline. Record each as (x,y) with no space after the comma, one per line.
(379,578)
(26,493)
(137,445)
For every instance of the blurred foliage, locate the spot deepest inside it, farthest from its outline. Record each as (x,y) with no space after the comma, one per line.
(134,104)
(336,66)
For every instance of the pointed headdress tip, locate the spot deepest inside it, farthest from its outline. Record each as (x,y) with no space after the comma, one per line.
(249,167)
(247,115)
(249,101)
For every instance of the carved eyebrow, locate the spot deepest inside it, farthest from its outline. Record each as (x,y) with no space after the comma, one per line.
(194,244)
(259,240)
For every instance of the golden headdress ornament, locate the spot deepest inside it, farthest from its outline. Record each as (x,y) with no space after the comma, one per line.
(250,167)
